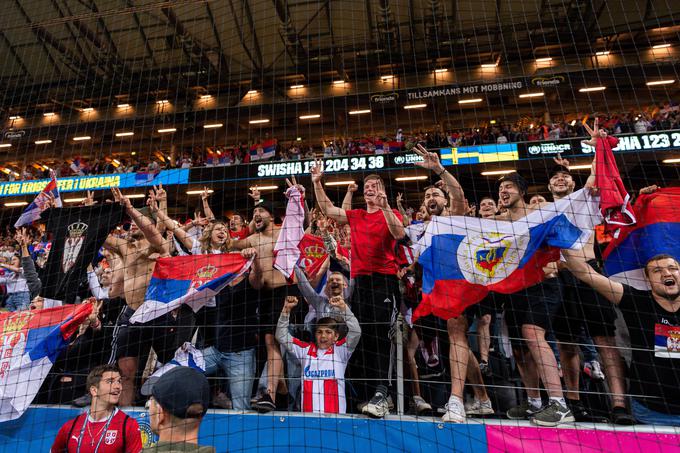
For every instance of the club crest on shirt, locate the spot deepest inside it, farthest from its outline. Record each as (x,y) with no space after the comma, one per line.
(111,436)
(488,258)
(75,236)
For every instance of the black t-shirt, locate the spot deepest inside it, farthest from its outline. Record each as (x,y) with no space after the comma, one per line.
(77,235)
(237,318)
(655,339)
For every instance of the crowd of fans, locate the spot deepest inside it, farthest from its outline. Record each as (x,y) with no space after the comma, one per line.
(524,130)
(305,332)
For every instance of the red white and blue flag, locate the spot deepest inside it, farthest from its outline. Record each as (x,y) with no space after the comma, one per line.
(263,151)
(192,279)
(39,204)
(30,342)
(464,258)
(656,232)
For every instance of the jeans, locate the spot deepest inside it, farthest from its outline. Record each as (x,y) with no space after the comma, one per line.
(649,417)
(18,301)
(239,368)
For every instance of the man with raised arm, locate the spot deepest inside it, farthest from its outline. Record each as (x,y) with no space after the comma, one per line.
(374,235)
(139,251)
(653,320)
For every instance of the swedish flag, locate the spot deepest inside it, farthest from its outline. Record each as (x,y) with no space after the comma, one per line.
(479,154)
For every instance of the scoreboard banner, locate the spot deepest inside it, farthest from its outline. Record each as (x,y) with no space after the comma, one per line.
(98,182)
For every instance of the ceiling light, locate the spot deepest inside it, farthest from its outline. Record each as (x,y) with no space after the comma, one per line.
(440,70)
(415,106)
(73,200)
(14,117)
(580,167)
(675,160)
(252,92)
(261,188)
(602,53)
(492,122)
(339,183)
(123,106)
(532,95)
(489,65)
(588,90)
(125,134)
(81,138)
(13,204)
(338,82)
(198,192)
(295,87)
(310,117)
(48,114)
(660,82)
(43,142)
(411,178)
(165,131)
(262,121)
(661,46)
(213,126)
(87,109)
(470,101)
(497,172)
(135,195)
(359,112)
(205,97)
(163,101)
(544,60)
(5,145)
(386,78)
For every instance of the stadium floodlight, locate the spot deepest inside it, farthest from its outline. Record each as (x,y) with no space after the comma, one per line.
(497,172)
(589,89)
(43,142)
(415,106)
(410,178)
(470,101)
(310,117)
(339,183)
(82,138)
(124,134)
(14,204)
(532,95)
(198,192)
(660,82)
(261,188)
(261,121)
(213,126)
(167,130)
(661,46)
(674,160)
(359,112)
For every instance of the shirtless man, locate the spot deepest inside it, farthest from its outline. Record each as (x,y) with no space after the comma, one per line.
(269,287)
(138,253)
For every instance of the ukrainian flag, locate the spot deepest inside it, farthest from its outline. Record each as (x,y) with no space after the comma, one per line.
(481,154)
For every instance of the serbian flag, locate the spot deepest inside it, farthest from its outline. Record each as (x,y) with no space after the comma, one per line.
(189,279)
(263,151)
(30,342)
(614,199)
(39,204)
(312,255)
(464,258)
(656,232)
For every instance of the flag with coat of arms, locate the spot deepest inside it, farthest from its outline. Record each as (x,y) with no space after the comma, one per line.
(465,258)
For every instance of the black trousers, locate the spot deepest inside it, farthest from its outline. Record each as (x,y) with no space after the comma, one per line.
(375,303)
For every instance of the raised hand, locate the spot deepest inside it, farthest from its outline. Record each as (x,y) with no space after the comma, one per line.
(317,171)
(594,132)
(352,187)
(400,198)
(120,198)
(254,194)
(559,160)
(89,199)
(338,302)
(161,194)
(205,194)
(381,200)
(649,189)
(430,160)
(290,303)
(294,183)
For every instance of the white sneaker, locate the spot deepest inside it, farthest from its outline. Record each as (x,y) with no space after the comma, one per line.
(377,407)
(479,408)
(455,411)
(419,405)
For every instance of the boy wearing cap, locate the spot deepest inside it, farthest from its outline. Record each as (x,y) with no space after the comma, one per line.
(179,400)
(324,361)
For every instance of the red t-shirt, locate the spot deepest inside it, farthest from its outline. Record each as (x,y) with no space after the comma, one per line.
(241,234)
(373,247)
(111,440)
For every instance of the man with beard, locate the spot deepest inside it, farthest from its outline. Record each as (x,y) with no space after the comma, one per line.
(269,287)
(583,310)
(528,315)
(653,320)
(138,252)
(103,427)
(374,235)
(462,361)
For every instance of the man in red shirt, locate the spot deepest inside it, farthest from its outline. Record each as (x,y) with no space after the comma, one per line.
(374,235)
(103,428)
